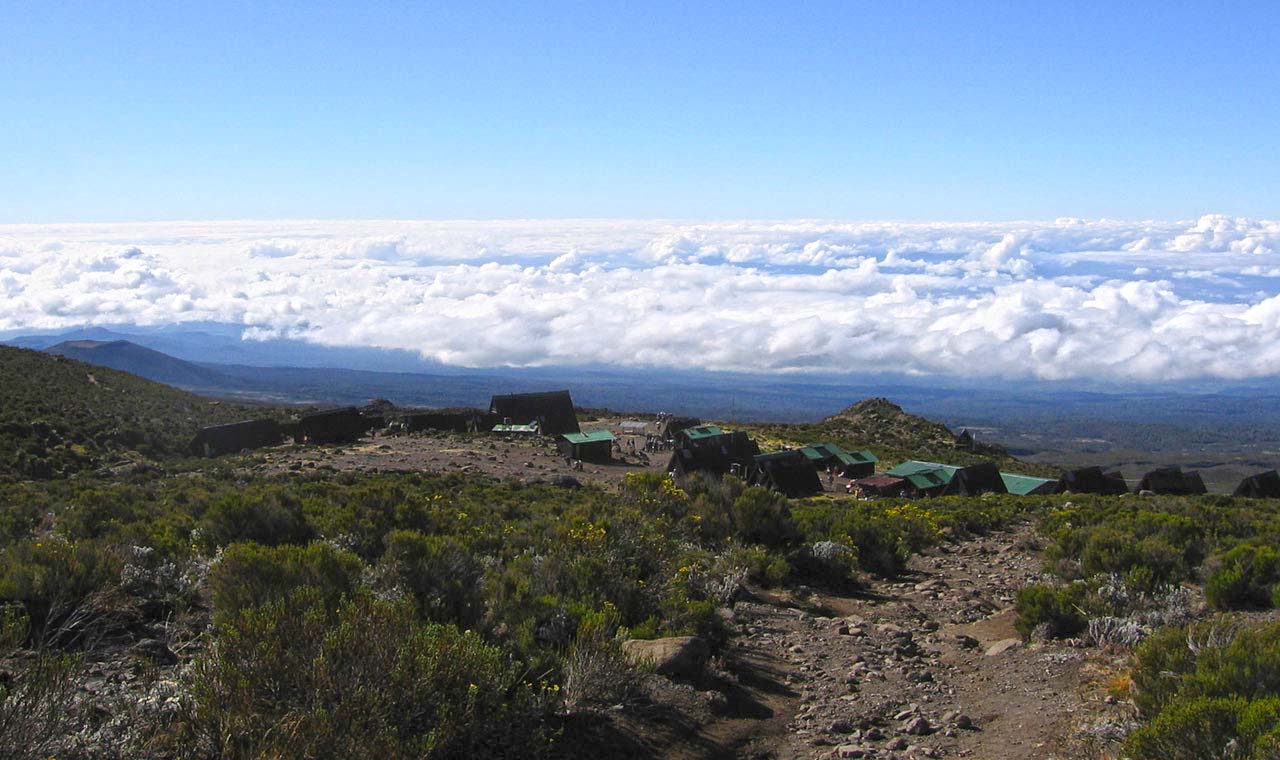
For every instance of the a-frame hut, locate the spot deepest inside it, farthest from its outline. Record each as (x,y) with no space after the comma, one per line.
(1172,481)
(1092,480)
(974,480)
(552,410)
(790,473)
(1264,485)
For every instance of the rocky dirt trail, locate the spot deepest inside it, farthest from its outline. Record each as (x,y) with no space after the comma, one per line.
(926,667)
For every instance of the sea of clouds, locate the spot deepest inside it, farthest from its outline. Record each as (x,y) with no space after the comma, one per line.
(1103,300)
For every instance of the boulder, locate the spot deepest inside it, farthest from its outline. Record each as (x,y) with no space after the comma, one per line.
(1002,646)
(681,656)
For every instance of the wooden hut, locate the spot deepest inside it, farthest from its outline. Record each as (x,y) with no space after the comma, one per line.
(217,440)
(1172,481)
(790,473)
(1092,480)
(331,426)
(552,410)
(1264,485)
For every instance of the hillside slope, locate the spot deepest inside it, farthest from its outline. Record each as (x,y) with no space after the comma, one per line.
(59,416)
(139,360)
(893,435)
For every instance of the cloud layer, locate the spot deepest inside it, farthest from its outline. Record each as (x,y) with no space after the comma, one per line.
(1102,300)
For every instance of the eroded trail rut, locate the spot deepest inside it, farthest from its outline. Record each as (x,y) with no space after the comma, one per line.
(922,668)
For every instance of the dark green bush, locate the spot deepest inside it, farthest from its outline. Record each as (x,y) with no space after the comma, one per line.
(298,678)
(1057,606)
(1245,579)
(267,516)
(60,585)
(440,574)
(761,516)
(1196,729)
(247,575)
(1217,658)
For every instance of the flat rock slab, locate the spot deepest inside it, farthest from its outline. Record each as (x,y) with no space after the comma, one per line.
(681,656)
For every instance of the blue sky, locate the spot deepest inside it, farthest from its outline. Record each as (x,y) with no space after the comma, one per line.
(927,111)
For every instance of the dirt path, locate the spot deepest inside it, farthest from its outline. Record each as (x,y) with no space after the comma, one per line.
(926,668)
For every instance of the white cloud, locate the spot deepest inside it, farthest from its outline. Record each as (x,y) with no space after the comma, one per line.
(1063,299)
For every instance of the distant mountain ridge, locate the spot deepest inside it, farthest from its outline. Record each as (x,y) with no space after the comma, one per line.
(141,361)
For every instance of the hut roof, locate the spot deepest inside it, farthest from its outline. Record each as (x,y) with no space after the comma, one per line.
(1025,485)
(552,409)
(788,472)
(701,432)
(1092,480)
(927,480)
(880,481)
(913,466)
(1173,481)
(974,480)
(595,436)
(1264,485)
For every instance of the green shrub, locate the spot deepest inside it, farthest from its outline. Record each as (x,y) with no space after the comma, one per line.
(268,517)
(1056,606)
(761,516)
(1246,578)
(62,587)
(440,574)
(1217,658)
(1193,730)
(296,678)
(247,575)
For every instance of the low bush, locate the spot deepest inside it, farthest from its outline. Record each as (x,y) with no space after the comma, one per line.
(298,678)
(247,575)
(1216,658)
(439,572)
(1057,607)
(266,516)
(63,587)
(1245,578)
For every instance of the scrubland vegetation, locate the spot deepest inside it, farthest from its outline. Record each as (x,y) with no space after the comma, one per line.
(421,616)
(1125,574)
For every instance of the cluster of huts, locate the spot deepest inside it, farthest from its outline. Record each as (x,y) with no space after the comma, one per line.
(696,447)
(549,413)
(794,472)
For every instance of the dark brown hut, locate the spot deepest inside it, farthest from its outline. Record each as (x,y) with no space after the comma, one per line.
(1172,481)
(331,426)
(790,473)
(974,480)
(1264,485)
(236,436)
(1092,480)
(552,410)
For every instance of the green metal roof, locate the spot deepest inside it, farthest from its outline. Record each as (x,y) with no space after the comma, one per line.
(531,428)
(912,467)
(813,453)
(595,437)
(1021,485)
(702,431)
(926,480)
(820,451)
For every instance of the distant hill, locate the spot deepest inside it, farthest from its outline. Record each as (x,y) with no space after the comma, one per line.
(60,416)
(138,360)
(893,435)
